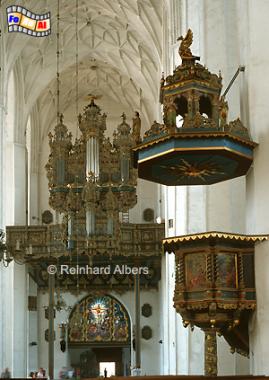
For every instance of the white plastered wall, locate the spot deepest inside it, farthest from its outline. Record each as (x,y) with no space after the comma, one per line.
(254,52)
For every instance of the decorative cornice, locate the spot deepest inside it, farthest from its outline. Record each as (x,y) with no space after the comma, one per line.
(193,135)
(216,235)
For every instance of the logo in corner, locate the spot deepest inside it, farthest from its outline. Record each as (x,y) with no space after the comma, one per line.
(21,20)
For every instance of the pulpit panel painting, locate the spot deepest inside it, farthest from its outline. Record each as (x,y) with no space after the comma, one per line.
(98,320)
(195,271)
(226,270)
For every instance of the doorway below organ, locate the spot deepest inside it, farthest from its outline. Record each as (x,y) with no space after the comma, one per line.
(91,362)
(107,369)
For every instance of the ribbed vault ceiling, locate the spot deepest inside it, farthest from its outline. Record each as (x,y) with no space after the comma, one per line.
(119,55)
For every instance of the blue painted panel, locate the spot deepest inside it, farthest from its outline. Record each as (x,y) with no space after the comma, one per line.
(164,146)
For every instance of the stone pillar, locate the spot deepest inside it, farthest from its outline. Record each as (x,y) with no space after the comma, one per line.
(20,330)
(169,313)
(32,350)
(6,285)
(137,326)
(7,317)
(20,335)
(19,184)
(34,213)
(15,284)
(16,335)
(1,318)
(1,222)
(255,55)
(51,326)
(1,164)
(220,24)
(185,209)
(33,170)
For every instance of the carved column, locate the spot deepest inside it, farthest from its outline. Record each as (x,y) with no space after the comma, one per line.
(51,325)
(211,356)
(137,325)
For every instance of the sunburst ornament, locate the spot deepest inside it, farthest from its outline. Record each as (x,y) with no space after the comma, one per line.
(197,170)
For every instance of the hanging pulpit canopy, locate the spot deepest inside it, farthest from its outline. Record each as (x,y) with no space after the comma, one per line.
(196,144)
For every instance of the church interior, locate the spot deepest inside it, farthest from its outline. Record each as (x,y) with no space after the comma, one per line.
(133,188)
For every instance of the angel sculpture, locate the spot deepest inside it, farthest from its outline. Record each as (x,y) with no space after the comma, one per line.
(184,48)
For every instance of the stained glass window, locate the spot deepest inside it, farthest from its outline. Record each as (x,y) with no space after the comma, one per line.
(99,319)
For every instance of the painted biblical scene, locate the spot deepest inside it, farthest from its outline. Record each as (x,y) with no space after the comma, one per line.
(99,319)
(226,270)
(195,271)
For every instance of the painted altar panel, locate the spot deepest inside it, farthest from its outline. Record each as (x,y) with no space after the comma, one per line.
(99,319)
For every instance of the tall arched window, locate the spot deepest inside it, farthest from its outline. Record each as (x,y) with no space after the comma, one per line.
(101,319)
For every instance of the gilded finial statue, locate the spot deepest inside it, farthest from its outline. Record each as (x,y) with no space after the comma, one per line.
(136,128)
(93,97)
(123,116)
(184,48)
